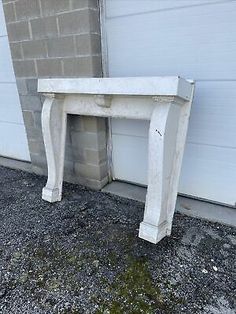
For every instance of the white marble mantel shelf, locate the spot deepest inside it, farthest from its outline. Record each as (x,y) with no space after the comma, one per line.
(165,101)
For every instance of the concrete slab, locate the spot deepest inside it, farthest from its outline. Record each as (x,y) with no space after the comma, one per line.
(184,205)
(126,190)
(15,164)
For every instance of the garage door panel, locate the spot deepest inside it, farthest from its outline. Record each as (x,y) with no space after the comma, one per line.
(196,40)
(124,148)
(3,29)
(213,114)
(170,38)
(116,8)
(132,127)
(9,112)
(6,68)
(13,141)
(201,170)
(214,103)
(204,173)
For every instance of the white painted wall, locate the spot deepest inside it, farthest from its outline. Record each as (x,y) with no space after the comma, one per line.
(194,39)
(13,141)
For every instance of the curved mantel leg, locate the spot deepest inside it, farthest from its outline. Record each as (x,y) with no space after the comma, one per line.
(54,131)
(167,135)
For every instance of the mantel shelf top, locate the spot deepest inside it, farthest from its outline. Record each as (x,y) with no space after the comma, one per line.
(136,86)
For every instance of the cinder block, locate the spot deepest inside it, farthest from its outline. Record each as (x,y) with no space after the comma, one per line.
(34,49)
(75,123)
(34,134)
(26,9)
(94,141)
(86,137)
(32,86)
(37,119)
(69,153)
(74,22)
(24,68)
(16,51)
(68,169)
(18,31)
(95,157)
(21,86)
(81,4)
(49,68)
(82,140)
(9,12)
(89,66)
(61,47)
(42,98)
(32,103)
(90,124)
(44,27)
(78,154)
(88,44)
(102,139)
(92,184)
(27,87)
(91,171)
(93,124)
(36,147)
(42,171)
(51,7)
(94,21)
(81,67)
(69,175)
(28,118)
(97,66)
(68,137)
(38,160)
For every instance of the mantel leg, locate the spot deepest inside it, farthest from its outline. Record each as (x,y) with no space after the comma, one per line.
(166,144)
(54,131)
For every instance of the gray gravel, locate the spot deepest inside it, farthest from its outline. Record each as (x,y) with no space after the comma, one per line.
(82,255)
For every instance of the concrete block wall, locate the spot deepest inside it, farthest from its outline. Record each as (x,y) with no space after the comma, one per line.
(59,38)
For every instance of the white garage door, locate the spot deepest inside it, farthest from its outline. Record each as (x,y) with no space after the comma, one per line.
(194,39)
(13,141)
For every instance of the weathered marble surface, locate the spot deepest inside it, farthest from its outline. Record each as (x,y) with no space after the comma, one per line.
(165,101)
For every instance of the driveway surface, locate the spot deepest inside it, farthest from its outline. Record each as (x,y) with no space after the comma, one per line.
(82,255)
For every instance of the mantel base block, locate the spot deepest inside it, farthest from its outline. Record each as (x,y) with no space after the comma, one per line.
(51,195)
(153,233)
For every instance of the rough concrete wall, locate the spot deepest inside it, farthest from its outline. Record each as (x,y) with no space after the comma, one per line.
(59,38)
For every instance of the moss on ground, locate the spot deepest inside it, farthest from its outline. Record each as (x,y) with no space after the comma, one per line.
(133,291)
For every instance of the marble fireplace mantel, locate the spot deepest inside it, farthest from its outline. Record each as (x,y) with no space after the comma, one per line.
(165,101)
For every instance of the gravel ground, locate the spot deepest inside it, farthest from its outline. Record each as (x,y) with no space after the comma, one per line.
(82,255)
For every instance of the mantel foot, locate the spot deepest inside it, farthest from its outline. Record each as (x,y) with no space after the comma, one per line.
(51,195)
(153,233)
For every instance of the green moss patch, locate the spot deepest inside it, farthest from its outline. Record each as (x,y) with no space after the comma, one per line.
(133,291)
